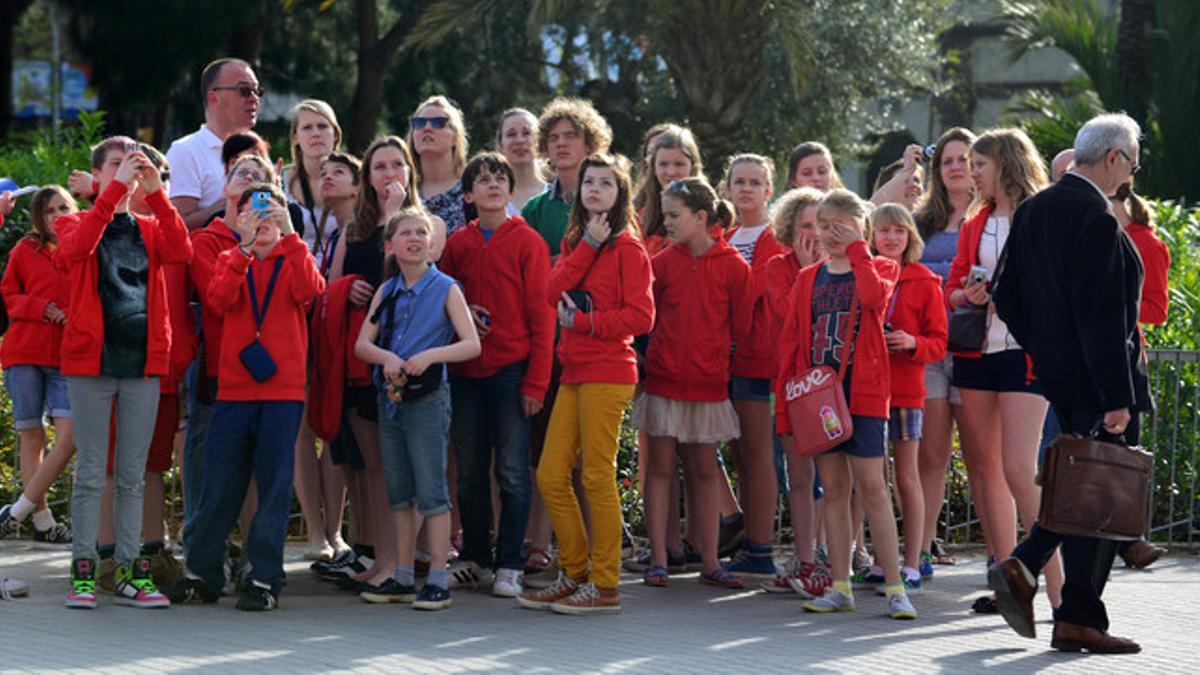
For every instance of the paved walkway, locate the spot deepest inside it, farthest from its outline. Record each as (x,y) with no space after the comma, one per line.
(686,628)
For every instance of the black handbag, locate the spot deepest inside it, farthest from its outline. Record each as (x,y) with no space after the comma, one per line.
(968,328)
(255,357)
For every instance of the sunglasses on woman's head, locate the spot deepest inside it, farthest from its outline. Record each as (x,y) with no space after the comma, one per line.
(419,123)
(678,186)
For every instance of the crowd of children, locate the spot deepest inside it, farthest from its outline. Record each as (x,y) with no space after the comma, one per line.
(452,344)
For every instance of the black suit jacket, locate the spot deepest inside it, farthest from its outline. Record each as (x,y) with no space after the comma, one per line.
(1068,286)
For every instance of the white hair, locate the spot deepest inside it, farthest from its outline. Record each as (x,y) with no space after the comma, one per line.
(1103,133)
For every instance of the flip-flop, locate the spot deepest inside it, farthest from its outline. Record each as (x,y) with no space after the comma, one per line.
(939,554)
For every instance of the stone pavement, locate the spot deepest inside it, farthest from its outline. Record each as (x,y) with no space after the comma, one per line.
(686,628)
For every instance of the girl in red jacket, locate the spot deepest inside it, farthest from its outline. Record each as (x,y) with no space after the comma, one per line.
(794,222)
(36,295)
(674,154)
(601,286)
(702,289)
(915,332)
(815,332)
(747,182)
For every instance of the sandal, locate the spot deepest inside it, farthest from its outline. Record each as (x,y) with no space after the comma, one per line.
(721,577)
(939,554)
(537,560)
(656,575)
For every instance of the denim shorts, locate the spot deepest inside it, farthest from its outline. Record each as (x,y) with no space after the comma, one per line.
(36,391)
(749,388)
(905,424)
(869,438)
(412,446)
(937,381)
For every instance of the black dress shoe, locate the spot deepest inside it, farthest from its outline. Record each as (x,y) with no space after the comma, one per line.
(1015,587)
(1071,637)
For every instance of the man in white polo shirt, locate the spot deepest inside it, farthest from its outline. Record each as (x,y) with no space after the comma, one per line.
(231,100)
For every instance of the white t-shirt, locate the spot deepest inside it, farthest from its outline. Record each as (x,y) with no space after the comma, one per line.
(744,239)
(991,245)
(311,219)
(196,169)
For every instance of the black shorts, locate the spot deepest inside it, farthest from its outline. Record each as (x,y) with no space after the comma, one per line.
(1006,371)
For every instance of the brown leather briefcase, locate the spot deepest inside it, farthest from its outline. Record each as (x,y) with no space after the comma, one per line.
(1093,488)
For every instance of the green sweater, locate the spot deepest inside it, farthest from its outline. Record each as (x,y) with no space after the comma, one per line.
(548,215)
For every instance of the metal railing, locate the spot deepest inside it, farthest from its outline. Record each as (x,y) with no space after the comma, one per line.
(1171,432)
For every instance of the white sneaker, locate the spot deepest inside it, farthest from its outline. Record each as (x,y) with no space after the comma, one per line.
(468,574)
(509,583)
(11,588)
(901,607)
(833,601)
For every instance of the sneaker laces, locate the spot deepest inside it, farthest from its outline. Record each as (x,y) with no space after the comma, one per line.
(58,532)
(81,586)
(587,592)
(561,584)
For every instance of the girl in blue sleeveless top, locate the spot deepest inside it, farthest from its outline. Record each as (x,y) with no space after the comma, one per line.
(413,320)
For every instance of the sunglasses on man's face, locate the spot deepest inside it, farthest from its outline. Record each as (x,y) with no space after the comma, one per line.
(244,89)
(419,123)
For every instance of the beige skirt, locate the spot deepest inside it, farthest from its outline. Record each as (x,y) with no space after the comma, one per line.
(686,421)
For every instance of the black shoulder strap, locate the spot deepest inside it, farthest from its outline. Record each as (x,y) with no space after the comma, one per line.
(259,315)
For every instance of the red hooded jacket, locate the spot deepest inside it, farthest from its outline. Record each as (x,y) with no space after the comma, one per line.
(755,355)
(207,245)
(335,326)
(31,281)
(165,237)
(1156,260)
(916,308)
(183,327)
(599,346)
(870,386)
(507,276)
(704,306)
(285,327)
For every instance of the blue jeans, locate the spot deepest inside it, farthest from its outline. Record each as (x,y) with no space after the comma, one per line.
(412,447)
(36,391)
(1050,431)
(246,438)
(199,414)
(488,416)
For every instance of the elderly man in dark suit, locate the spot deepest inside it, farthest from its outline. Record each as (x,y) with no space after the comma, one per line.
(1068,287)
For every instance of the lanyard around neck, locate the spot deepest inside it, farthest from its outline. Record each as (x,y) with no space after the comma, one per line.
(258,315)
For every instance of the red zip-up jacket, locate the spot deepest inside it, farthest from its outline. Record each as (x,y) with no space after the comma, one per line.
(207,245)
(285,325)
(31,281)
(704,306)
(967,256)
(506,275)
(916,308)
(754,356)
(165,237)
(870,386)
(599,346)
(183,327)
(1156,260)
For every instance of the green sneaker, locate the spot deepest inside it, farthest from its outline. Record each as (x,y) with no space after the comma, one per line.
(135,588)
(833,601)
(83,584)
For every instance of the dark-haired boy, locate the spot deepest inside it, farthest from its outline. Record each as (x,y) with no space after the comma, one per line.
(116,344)
(503,265)
(263,285)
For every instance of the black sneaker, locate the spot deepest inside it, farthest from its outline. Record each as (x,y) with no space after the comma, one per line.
(389,591)
(351,565)
(323,568)
(190,590)
(432,598)
(56,538)
(258,597)
(9,527)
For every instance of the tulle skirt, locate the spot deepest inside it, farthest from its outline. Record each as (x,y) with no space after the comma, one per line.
(686,421)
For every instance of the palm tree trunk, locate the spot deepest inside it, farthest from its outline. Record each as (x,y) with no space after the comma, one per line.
(1137,16)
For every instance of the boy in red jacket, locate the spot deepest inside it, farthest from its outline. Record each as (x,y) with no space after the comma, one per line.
(503,265)
(116,344)
(263,285)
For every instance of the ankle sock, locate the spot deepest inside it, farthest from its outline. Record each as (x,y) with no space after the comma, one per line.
(439,577)
(106,551)
(405,576)
(22,508)
(43,520)
(152,548)
(892,589)
(843,586)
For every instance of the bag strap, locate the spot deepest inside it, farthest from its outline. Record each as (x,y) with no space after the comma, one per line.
(259,315)
(849,333)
